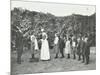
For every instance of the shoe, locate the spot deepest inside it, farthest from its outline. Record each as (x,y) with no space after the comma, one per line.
(68,57)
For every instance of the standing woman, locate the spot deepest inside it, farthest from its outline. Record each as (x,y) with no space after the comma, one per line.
(44,54)
(68,47)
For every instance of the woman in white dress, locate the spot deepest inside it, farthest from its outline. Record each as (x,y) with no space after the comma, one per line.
(44,54)
(68,48)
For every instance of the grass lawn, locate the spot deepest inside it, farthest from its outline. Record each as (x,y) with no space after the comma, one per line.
(54,65)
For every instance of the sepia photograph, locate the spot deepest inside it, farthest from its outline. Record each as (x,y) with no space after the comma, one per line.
(52,37)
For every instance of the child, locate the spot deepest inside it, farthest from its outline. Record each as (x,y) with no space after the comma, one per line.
(74,47)
(61,46)
(56,43)
(68,48)
(44,54)
(34,46)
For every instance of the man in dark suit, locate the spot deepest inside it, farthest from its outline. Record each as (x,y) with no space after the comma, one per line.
(19,45)
(80,48)
(61,46)
(86,52)
(83,49)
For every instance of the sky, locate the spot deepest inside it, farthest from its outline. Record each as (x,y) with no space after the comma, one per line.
(57,9)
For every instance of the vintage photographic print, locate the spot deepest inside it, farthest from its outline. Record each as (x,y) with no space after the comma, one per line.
(52,37)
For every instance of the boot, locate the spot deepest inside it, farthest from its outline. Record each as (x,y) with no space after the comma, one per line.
(56,56)
(62,55)
(74,57)
(32,58)
(87,60)
(79,58)
(68,56)
(83,58)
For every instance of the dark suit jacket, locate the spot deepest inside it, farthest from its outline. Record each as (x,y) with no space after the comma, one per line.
(80,47)
(19,41)
(87,48)
(61,44)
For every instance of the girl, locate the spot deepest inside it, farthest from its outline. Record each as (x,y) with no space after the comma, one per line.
(68,48)
(34,47)
(56,45)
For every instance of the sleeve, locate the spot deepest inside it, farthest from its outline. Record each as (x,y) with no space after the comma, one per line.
(36,45)
(63,43)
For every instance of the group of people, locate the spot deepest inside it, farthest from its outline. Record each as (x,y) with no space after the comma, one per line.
(71,46)
(79,46)
(44,50)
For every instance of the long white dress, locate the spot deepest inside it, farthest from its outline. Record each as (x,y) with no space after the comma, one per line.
(45,54)
(67,47)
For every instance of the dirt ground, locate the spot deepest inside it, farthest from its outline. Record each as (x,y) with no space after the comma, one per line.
(54,65)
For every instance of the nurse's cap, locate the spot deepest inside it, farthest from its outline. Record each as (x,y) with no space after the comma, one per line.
(42,30)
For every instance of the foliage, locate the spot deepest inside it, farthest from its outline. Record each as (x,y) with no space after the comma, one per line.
(32,21)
